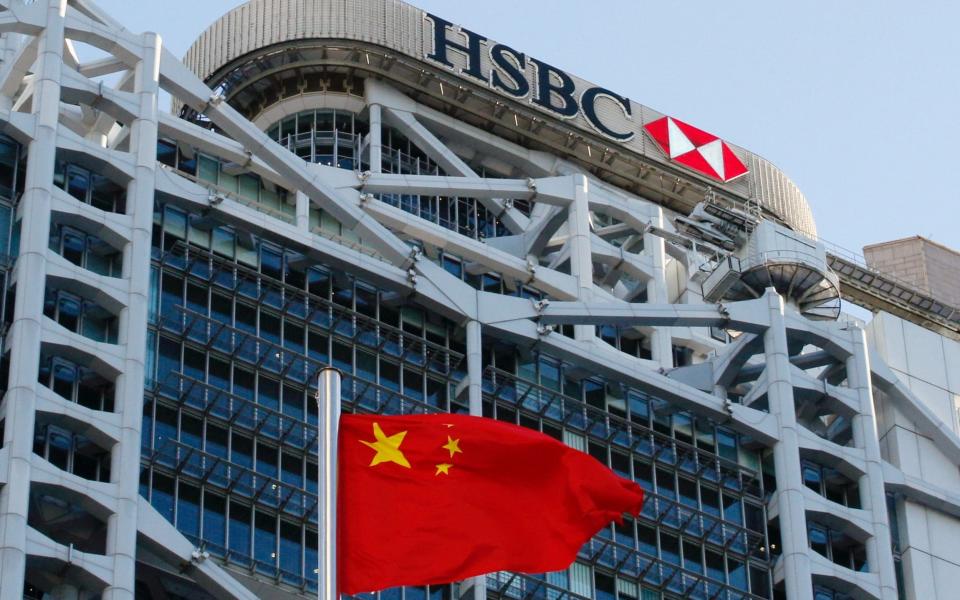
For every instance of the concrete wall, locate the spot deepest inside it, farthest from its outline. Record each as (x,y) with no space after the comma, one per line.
(929,365)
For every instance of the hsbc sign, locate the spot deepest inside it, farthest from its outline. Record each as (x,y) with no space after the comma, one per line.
(511,72)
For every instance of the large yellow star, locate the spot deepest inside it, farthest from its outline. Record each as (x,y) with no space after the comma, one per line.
(387,447)
(453,446)
(443,468)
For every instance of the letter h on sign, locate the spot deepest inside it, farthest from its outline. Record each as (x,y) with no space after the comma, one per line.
(441,44)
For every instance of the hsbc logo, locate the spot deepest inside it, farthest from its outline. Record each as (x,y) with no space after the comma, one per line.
(695,149)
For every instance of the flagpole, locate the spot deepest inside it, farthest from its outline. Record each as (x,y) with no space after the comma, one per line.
(478,584)
(328,413)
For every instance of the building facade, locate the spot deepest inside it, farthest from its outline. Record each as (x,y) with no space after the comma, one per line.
(456,226)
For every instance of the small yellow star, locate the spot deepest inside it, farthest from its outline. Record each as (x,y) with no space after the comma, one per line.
(387,447)
(448,425)
(443,468)
(453,446)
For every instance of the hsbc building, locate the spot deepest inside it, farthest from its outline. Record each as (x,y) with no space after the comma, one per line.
(457,227)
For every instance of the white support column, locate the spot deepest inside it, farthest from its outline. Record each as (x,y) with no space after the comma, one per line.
(475,395)
(872,492)
(786,456)
(661,343)
(9,49)
(125,459)
(581,258)
(376,138)
(303,211)
(25,332)
(328,421)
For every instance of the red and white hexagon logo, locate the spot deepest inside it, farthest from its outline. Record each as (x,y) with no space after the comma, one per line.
(696,149)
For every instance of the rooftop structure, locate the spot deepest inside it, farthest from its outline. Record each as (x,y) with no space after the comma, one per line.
(925,264)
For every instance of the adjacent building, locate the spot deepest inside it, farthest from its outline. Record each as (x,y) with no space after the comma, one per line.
(456,226)
(922,263)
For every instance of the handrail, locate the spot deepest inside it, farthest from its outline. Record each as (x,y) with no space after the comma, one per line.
(232,195)
(360,396)
(254,350)
(492,375)
(292,296)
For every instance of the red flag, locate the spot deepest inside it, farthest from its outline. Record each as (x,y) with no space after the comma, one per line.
(437,498)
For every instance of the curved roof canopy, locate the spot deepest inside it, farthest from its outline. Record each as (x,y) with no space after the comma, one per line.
(266,50)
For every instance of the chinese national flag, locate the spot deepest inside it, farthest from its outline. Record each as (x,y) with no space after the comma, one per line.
(437,498)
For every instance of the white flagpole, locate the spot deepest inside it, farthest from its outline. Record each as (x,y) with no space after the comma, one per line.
(328,412)
(478,584)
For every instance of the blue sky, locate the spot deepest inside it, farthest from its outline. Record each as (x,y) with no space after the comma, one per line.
(856,100)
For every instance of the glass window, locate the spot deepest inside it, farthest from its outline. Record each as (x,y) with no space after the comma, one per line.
(241,450)
(670,548)
(819,541)
(293,402)
(436,392)
(324,120)
(550,374)
(214,520)
(267,458)
(759,581)
(161,497)
(604,586)
(239,530)
(310,555)
(738,573)
(74,246)
(78,183)
(58,453)
(692,559)
(167,153)
(188,510)
(209,169)
(291,470)
(727,442)
(715,566)
(105,194)
(343,357)
(265,542)
(268,393)
(732,510)
(249,187)
(290,548)
(165,429)
(390,375)
(216,440)
(64,376)
(191,431)
(223,242)
(175,222)
(683,427)
(688,491)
